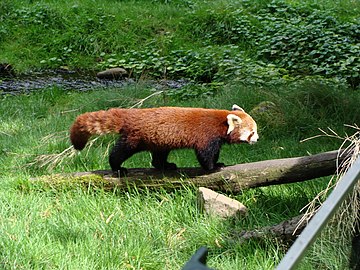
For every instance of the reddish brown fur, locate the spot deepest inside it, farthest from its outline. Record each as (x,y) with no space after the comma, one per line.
(157,128)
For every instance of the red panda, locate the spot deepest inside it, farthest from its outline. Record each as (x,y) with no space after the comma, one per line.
(160,130)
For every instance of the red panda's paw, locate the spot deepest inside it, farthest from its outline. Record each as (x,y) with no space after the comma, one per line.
(219,165)
(121,172)
(165,166)
(170,166)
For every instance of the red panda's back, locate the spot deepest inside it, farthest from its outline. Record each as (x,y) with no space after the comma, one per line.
(170,127)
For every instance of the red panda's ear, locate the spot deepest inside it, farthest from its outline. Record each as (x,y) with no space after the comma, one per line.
(233,120)
(237,108)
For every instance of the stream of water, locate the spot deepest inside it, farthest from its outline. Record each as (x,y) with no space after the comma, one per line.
(71,81)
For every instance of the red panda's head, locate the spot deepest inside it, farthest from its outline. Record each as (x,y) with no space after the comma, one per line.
(242,127)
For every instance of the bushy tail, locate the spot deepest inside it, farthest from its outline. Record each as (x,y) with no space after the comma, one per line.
(94,123)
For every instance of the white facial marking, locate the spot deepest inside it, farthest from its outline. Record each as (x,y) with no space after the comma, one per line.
(254,137)
(244,136)
(249,136)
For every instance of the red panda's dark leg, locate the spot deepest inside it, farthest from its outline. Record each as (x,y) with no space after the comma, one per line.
(121,151)
(218,164)
(159,160)
(209,156)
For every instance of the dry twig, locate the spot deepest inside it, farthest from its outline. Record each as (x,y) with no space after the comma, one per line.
(141,102)
(349,211)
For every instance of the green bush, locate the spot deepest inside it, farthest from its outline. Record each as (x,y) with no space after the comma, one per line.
(256,42)
(309,42)
(303,39)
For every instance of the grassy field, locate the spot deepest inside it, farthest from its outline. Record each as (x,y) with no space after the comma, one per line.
(231,52)
(77,228)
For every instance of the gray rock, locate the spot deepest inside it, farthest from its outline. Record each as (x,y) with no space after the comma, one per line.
(112,73)
(6,70)
(220,205)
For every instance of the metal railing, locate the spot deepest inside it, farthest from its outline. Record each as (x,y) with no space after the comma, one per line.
(320,219)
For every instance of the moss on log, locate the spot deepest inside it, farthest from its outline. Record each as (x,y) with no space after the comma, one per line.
(228,179)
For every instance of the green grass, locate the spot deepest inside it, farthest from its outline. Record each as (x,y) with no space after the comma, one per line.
(77,228)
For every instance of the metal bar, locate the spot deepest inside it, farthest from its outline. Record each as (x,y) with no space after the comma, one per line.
(320,219)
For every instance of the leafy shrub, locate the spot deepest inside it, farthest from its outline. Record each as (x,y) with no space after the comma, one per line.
(5,7)
(300,39)
(225,25)
(212,65)
(273,44)
(175,2)
(38,15)
(309,42)
(198,66)
(255,42)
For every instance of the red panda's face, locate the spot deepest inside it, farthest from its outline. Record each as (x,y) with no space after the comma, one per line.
(241,126)
(249,134)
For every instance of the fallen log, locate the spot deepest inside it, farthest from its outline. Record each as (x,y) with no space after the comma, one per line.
(287,231)
(228,179)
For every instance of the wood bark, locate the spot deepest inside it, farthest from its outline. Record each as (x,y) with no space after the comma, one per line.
(287,231)
(228,179)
